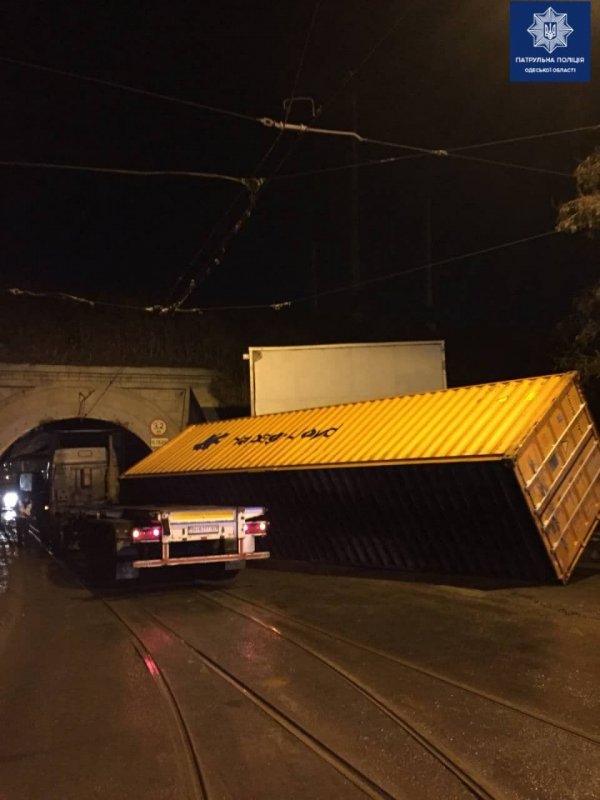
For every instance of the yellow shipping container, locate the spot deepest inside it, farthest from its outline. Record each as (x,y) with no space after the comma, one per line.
(540,428)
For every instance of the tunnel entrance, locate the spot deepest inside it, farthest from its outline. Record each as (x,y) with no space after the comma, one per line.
(26,464)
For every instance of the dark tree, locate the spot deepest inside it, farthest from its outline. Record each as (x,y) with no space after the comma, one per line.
(580,332)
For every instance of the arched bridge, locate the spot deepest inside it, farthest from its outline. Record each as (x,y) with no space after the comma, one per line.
(154,403)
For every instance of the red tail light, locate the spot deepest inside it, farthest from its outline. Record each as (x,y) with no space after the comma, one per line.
(147,534)
(256,527)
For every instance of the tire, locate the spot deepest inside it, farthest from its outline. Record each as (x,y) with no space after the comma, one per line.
(57,540)
(22,531)
(98,547)
(100,570)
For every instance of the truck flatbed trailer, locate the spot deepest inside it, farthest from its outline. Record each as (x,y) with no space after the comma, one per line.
(118,541)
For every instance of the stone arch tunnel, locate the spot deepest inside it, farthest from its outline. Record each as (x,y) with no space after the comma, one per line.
(154,403)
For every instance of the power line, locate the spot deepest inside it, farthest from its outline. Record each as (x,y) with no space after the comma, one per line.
(278,306)
(350,75)
(254,185)
(373,162)
(284,125)
(452,152)
(299,128)
(16,292)
(530,137)
(251,184)
(251,204)
(307,38)
(439,263)
(131,89)
(160,310)
(511,165)
(345,133)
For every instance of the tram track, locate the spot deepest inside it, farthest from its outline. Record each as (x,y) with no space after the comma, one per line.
(190,754)
(473,781)
(475,786)
(341,765)
(405,664)
(197,788)
(195,772)
(469,766)
(370,788)
(139,613)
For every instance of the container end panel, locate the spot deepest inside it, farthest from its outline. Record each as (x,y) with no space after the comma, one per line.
(558,467)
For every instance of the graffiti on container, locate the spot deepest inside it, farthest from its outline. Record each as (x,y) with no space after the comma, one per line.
(269,438)
(214,439)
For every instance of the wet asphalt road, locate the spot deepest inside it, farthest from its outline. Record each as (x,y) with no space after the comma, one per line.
(295,684)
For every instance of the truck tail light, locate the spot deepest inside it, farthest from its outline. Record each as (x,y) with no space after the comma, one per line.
(256,527)
(147,534)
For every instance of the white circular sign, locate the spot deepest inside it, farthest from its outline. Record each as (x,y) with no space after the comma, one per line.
(158,427)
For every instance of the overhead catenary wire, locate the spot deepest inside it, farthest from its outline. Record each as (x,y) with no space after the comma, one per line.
(530,137)
(255,187)
(510,165)
(374,162)
(355,71)
(299,69)
(131,89)
(345,81)
(348,134)
(283,125)
(420,152)
(437,263)
(290,302)
(251,203)
(416,151)
(251,184)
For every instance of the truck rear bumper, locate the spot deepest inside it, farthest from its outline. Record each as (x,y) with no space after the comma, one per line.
(218,559)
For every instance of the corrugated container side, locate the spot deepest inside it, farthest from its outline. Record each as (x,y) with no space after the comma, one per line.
(500,479)
(558,467)
(469,422)
(461,519)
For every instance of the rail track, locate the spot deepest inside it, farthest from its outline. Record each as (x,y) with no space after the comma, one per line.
(180,650)
(411,666)
(471,785)
(311,640)
(197,789)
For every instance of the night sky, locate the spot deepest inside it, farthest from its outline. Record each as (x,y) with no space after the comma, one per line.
(433,75)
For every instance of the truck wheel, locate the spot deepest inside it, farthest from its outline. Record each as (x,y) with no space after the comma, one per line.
(100,570)
(57,541)
(97,545)
(45,532)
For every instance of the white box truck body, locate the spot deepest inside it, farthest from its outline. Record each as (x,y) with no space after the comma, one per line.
(294,378)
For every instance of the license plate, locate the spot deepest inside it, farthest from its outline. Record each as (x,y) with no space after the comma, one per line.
(203,529)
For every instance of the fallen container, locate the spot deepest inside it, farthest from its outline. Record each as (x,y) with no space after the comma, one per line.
(500,479)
